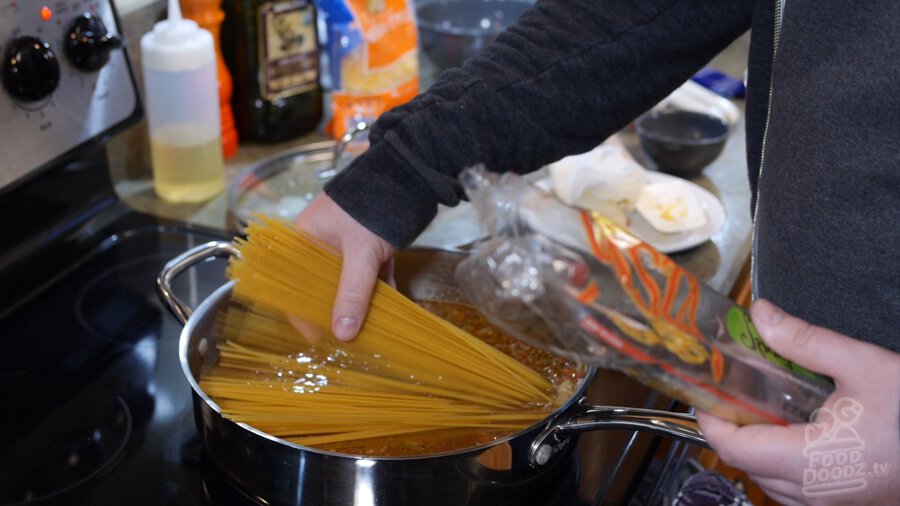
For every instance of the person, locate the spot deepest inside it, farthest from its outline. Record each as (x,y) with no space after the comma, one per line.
(822,130)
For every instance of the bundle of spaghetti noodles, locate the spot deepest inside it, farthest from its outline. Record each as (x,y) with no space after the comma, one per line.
(281,371)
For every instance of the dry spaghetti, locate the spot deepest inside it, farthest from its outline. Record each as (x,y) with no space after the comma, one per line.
(408,372)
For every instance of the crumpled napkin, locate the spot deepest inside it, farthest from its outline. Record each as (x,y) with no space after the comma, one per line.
(606,179)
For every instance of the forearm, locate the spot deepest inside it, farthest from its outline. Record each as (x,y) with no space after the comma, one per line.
(567,76)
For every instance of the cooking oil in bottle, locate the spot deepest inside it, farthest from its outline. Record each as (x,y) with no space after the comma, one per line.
(186,166)
(179,64)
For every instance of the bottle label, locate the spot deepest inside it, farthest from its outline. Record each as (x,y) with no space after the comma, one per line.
(288,53)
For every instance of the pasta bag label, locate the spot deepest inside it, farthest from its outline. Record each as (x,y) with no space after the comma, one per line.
(671,299)
(575,283)
(373,52)
(741,329)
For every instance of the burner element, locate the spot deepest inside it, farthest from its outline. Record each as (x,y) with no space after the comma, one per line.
(93,387)
(83,445)
(114,305)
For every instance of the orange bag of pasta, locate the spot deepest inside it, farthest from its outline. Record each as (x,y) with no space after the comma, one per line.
(373,53)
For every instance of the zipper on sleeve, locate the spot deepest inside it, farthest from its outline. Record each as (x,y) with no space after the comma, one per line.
(779,10)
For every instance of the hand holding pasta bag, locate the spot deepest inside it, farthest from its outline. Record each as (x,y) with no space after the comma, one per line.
(850,450)
(570,281)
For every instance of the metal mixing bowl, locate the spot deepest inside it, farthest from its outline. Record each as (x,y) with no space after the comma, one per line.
(451,31)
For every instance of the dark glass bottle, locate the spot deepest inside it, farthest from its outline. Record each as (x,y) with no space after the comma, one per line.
(272,49)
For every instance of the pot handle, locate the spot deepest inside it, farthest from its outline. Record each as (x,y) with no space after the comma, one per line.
(681,426)
(179,264)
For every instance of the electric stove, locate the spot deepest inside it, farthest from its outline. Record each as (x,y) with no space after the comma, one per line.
(95,408)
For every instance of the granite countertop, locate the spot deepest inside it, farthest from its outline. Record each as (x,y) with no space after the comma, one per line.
(718,261)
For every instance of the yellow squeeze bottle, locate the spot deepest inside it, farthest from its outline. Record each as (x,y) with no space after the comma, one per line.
(181,88)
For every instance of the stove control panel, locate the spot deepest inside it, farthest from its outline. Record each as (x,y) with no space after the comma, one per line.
(64,80)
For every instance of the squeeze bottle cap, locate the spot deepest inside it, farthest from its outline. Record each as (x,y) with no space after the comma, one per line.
(177,44)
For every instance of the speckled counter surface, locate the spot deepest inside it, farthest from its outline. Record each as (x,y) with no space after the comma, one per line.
(718,261)
(137,191)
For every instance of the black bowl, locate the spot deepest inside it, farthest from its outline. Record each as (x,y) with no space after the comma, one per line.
(682,142)
(451,31)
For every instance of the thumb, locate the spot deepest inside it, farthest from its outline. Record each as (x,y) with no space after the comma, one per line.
(358,275)
(816,348)
(364,255)
(361,266)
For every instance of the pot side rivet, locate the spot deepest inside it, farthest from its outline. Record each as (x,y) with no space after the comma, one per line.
(542,456)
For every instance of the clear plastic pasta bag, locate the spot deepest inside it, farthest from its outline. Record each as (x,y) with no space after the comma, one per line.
(572,282)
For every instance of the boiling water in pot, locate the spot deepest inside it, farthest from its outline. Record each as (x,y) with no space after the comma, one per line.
(312,408)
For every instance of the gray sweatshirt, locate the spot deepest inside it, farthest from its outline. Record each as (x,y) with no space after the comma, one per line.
(823,126)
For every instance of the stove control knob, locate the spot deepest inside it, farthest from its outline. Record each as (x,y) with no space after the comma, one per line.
(88,43)
(30,69)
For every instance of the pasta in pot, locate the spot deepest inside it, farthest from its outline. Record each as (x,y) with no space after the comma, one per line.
(411,383)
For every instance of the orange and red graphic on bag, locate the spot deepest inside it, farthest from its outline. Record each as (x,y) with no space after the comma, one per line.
(672,319)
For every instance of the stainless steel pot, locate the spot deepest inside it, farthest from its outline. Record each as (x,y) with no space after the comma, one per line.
(512,470)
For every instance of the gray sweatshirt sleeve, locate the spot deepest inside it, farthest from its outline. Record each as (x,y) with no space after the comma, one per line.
(568,75)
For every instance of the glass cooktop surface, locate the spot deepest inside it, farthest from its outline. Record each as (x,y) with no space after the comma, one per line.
(96,408)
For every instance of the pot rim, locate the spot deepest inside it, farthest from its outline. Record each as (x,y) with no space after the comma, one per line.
(648,133)
(206,307)
(474,33)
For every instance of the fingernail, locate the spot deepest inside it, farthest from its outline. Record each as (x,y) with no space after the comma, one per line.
(767,313)
(346,328)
